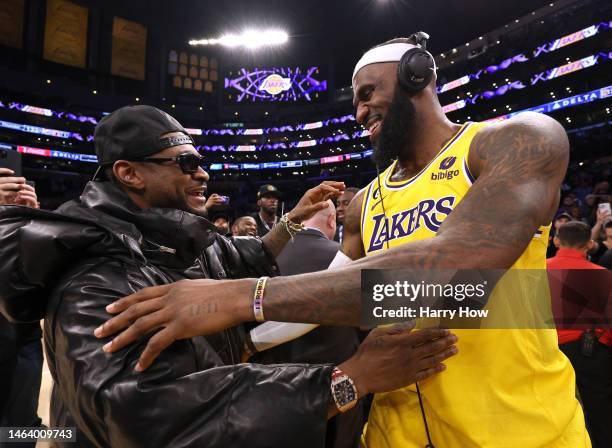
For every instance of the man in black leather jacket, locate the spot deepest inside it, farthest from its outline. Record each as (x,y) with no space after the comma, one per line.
(141,228)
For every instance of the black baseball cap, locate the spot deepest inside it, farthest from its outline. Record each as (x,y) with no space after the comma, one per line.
(268,190)
(134,132)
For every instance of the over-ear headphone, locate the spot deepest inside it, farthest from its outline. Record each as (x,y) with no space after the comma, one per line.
(417,66)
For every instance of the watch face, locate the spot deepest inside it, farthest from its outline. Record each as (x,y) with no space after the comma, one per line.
(344,392)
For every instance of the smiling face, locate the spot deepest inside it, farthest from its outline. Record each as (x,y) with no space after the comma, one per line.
(386,110)
(245,226)
(373,87)
(164,185)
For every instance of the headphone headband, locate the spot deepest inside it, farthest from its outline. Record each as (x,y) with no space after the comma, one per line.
(384,53)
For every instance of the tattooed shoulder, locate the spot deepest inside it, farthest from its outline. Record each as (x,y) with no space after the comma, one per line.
(529,144)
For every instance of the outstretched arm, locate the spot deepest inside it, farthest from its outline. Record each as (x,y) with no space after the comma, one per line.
(519,165)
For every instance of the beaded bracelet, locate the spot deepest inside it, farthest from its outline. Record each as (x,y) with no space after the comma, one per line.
(291,227)
(258,297)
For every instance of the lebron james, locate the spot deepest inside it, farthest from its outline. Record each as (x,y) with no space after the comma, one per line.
(467,196)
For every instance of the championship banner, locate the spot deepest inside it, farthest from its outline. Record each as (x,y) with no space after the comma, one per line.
(11,23)
(66,33)
(129,49)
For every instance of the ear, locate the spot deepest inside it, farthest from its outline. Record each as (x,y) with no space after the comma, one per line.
(259,202)
(331,221)
(590,245)
(557,242)
(128,175)
(331,224)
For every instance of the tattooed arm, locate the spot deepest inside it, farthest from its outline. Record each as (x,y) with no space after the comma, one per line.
(519,165)
(352,245)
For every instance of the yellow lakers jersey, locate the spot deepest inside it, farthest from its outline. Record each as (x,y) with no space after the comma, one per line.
(507,388)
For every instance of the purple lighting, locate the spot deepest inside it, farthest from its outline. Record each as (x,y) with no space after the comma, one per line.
(276,84)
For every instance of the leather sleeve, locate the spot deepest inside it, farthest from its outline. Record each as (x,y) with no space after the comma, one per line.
(33,253)
(247,256)
(188,397)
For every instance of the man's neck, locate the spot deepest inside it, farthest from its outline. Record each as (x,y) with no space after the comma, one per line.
(320,231)
(429,136)
(582,250)
(137,199)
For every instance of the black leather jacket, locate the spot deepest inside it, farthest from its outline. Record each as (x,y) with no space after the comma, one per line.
(66,266)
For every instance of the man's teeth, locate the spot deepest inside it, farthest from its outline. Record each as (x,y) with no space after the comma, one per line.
(374,126)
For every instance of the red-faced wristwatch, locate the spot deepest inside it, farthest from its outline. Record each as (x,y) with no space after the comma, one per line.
(343,390)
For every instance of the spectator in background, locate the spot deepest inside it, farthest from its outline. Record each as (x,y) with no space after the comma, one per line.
(602,243)
(575,212)
(594,368)
(606,259)
(567,202)
(343,201)
(267,201)
(244,226)
(602,188)
(221,222)
(589,209)
(15,191)
(214,200)
(583,187)
(313,250)
(21,358)
(561,219)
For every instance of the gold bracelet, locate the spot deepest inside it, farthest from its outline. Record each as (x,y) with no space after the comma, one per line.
(291,227)
(258,297)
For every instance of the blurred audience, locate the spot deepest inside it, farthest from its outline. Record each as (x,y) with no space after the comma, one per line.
(222,224)
(586,198)
(590,349)
(214,201)
(244,226)
(561,219)
(601,233)
(342,203)
(15,191)
(21,356)
(267,201)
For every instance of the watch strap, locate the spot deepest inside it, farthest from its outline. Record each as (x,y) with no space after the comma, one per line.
(343,390)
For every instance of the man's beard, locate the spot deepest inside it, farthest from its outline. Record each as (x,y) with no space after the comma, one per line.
(396,129)
(270,210)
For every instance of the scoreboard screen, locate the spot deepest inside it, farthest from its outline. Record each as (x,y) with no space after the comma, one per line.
(280,84)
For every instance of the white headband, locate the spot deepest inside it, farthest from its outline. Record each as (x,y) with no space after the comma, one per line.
(385,53)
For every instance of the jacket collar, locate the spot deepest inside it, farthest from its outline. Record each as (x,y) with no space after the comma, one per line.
(570,253)
(313,232)
(171,237)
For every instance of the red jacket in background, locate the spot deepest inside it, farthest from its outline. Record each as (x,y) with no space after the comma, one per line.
(575,259)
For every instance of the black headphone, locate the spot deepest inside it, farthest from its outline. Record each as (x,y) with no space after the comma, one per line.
(417,66)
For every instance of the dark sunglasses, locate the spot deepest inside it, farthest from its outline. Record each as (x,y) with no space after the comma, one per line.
(187,162)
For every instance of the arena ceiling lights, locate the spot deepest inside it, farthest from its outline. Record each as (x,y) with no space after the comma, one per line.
(251,39)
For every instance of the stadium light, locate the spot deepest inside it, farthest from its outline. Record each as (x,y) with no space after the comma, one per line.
(251,39)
